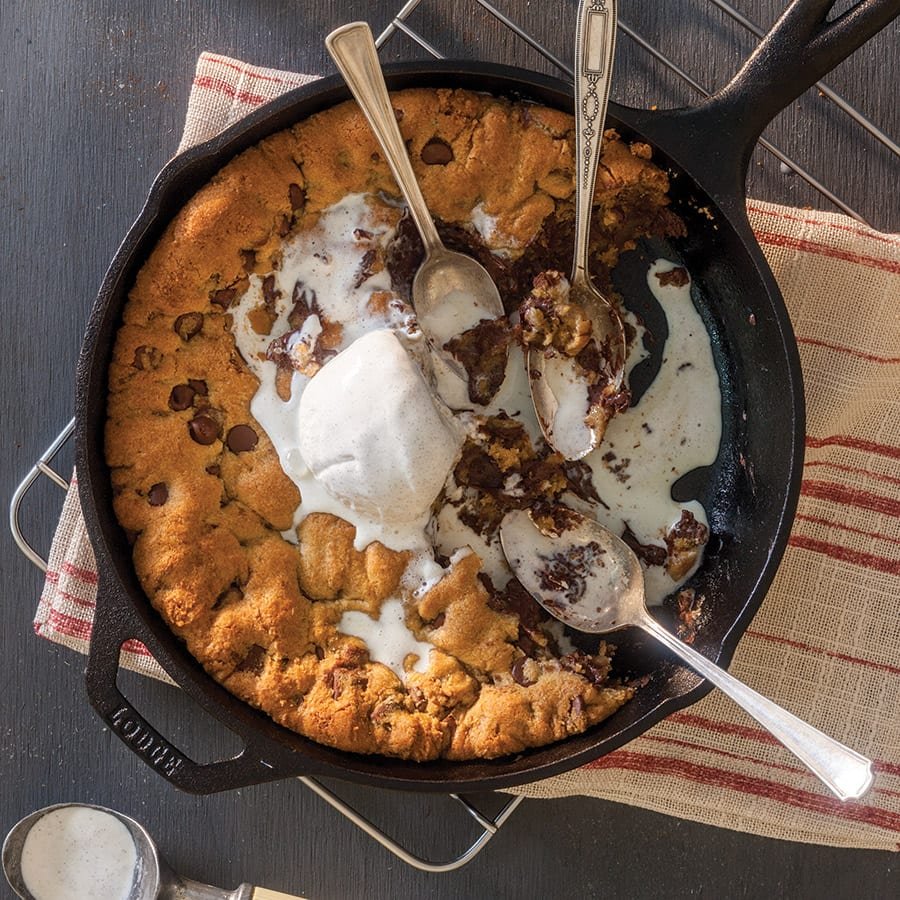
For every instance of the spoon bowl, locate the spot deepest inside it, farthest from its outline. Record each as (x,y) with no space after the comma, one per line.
(590,579)
(579,571)
(452,293)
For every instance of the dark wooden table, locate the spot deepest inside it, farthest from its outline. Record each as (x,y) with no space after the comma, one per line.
(92,100)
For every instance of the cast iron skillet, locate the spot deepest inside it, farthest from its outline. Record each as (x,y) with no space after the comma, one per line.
(750,493)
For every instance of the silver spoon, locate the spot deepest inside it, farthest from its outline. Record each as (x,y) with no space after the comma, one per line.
(153,878)
(451,292)
(585,576)
(551,377)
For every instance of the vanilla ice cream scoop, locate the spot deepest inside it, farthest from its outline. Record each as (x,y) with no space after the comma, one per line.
(371,433)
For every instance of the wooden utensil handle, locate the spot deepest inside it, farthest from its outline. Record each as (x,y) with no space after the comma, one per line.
(260,893)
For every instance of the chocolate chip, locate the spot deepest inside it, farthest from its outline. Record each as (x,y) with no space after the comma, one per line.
(585,666)
(342,677)
(270,292)
(526,643)
(404,255)
(146,357)
(515,600)
(365,270)
(188,325)
(248,258)
(384,710)
(652,554)
(476,469)
(297,195)
(320,653)
(304,300)
(254,661)
(420,701)
(181,397)
(362,235)
(214,470)
(199,386)
(333,683)
(579,476)
(224,297)
(438,620)
(204,430)
(577,707)
(677,277)
(284,227)
(437,153)
(518,672)
(486,583)
(483,352)
(566,572)
(398,114)
(241,438)
(158,494)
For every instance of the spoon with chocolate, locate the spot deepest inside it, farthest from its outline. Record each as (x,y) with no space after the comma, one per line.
(578,384)
(588,578)
(451,292)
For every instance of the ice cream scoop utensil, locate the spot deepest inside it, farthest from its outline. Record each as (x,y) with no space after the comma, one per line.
(451,292)
(153,879)
(595,41)
(585,576)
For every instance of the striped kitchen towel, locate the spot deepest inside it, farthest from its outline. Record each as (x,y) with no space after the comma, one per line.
(826,642)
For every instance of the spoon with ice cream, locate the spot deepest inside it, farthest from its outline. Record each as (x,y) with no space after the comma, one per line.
(451,292)
(76,851)
(573,404)
(588,578)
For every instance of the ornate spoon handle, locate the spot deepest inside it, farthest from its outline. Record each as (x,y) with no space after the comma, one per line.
(595,47)
(845,772)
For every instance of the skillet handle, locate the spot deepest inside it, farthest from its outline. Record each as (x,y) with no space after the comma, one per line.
(714,140)
(112,627)
(801,47)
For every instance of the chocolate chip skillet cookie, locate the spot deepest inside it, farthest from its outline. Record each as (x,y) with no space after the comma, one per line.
(313,508)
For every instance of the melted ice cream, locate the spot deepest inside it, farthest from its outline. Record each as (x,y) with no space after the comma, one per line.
(382,480)
(458,312)
(326,261)
(388,639)
(676,427)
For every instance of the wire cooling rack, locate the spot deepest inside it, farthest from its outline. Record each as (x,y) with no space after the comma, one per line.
(402,24)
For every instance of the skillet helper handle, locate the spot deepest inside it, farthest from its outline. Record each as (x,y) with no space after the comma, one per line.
(846,773)
(801,47)
(111,629)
